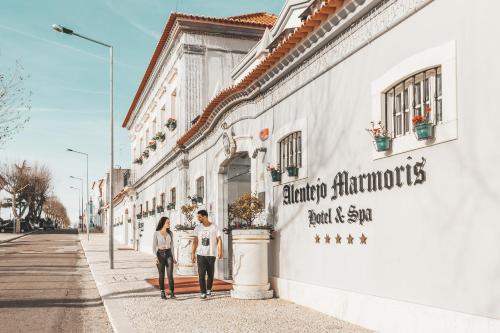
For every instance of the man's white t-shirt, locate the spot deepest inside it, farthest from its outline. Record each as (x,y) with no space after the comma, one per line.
(207,239)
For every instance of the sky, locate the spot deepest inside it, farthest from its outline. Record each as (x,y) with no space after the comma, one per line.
(69,77)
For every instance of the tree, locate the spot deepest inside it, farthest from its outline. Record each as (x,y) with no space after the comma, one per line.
(15,102)
(15,179)
(55,210)
(34,196)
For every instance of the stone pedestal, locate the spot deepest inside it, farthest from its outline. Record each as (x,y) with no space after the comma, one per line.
(250,273)
(184,249)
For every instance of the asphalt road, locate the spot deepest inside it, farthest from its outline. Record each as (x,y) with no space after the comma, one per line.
(46,286)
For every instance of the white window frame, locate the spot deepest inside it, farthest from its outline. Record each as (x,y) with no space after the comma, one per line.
(200,180)
(298,125)
(443,56)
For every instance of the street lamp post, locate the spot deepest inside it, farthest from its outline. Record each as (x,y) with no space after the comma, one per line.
(81,215)
(80,207)
(67,31)
(87,204)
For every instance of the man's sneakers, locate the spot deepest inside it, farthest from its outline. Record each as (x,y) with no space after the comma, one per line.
(203,296)
(163,296)
(209,293)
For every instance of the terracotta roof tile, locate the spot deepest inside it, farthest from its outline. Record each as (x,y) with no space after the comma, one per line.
(263,20)
(279,52)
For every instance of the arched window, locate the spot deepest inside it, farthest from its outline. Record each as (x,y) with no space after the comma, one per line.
(419,95)
(290,151)
(200,187)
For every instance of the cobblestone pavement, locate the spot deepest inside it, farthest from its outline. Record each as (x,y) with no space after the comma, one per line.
(135,306)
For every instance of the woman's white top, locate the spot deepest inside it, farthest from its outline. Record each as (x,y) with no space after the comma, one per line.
(160,242)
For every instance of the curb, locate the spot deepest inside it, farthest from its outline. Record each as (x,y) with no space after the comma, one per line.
(17,237)
(119,322)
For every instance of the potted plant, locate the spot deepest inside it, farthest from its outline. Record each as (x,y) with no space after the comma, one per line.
(195,199)
(160,209)
(152,212)
(139,216)
(381,136)
(171,124)
(145,154)
(275,172)
(171,206)
(422,124)
(152,145)
(249,240)
(145,214)
(185,234)
(138,160)
(292,171)
(160,136)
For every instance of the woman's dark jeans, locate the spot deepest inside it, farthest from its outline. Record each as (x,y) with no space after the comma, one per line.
(166,262)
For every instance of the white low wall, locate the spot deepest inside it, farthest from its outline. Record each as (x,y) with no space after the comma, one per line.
(381,314)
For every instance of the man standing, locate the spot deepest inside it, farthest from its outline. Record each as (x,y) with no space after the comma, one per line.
(206,246)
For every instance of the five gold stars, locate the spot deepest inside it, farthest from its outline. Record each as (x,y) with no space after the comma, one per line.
(338,239)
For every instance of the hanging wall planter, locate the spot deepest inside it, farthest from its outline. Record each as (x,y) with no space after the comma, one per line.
(276,176)
(424,131)
(171,124)
(423,126)
(292,171)
(381,136)
(275,173)
(145,154)
(160,136)
(152,145)
(383,143)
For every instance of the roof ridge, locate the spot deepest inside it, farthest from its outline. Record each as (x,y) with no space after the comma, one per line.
(250,15)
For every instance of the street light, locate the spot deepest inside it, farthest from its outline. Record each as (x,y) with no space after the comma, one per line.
(87,204)
(64,30)
(80,197)
(81,180)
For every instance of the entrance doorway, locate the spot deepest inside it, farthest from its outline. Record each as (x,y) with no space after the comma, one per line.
(237,180)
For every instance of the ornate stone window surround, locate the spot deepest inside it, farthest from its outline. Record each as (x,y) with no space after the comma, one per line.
(446,130)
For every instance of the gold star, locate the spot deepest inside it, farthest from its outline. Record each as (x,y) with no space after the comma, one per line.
(317,238)
(327,239)
(363,239)
(338,239)
(349,239)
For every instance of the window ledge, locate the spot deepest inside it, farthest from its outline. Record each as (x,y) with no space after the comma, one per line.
(443,132)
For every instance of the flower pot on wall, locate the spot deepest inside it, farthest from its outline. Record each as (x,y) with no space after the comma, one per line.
(184,246)
(424,131)
(292,171)
(250,268)
(383,143)
(276,176)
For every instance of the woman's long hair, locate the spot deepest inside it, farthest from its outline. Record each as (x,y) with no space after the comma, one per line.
(161,223)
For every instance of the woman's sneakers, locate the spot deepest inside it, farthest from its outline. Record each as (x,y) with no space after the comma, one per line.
(203,296)
(172,295)
(163,296)
(209,293)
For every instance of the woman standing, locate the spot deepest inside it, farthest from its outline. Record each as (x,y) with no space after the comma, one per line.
(162,248)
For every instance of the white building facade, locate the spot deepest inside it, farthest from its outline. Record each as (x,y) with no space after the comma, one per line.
(403,240)
(192,62)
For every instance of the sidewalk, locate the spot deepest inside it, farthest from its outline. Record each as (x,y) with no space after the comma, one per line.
(8,236)
(135,306)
